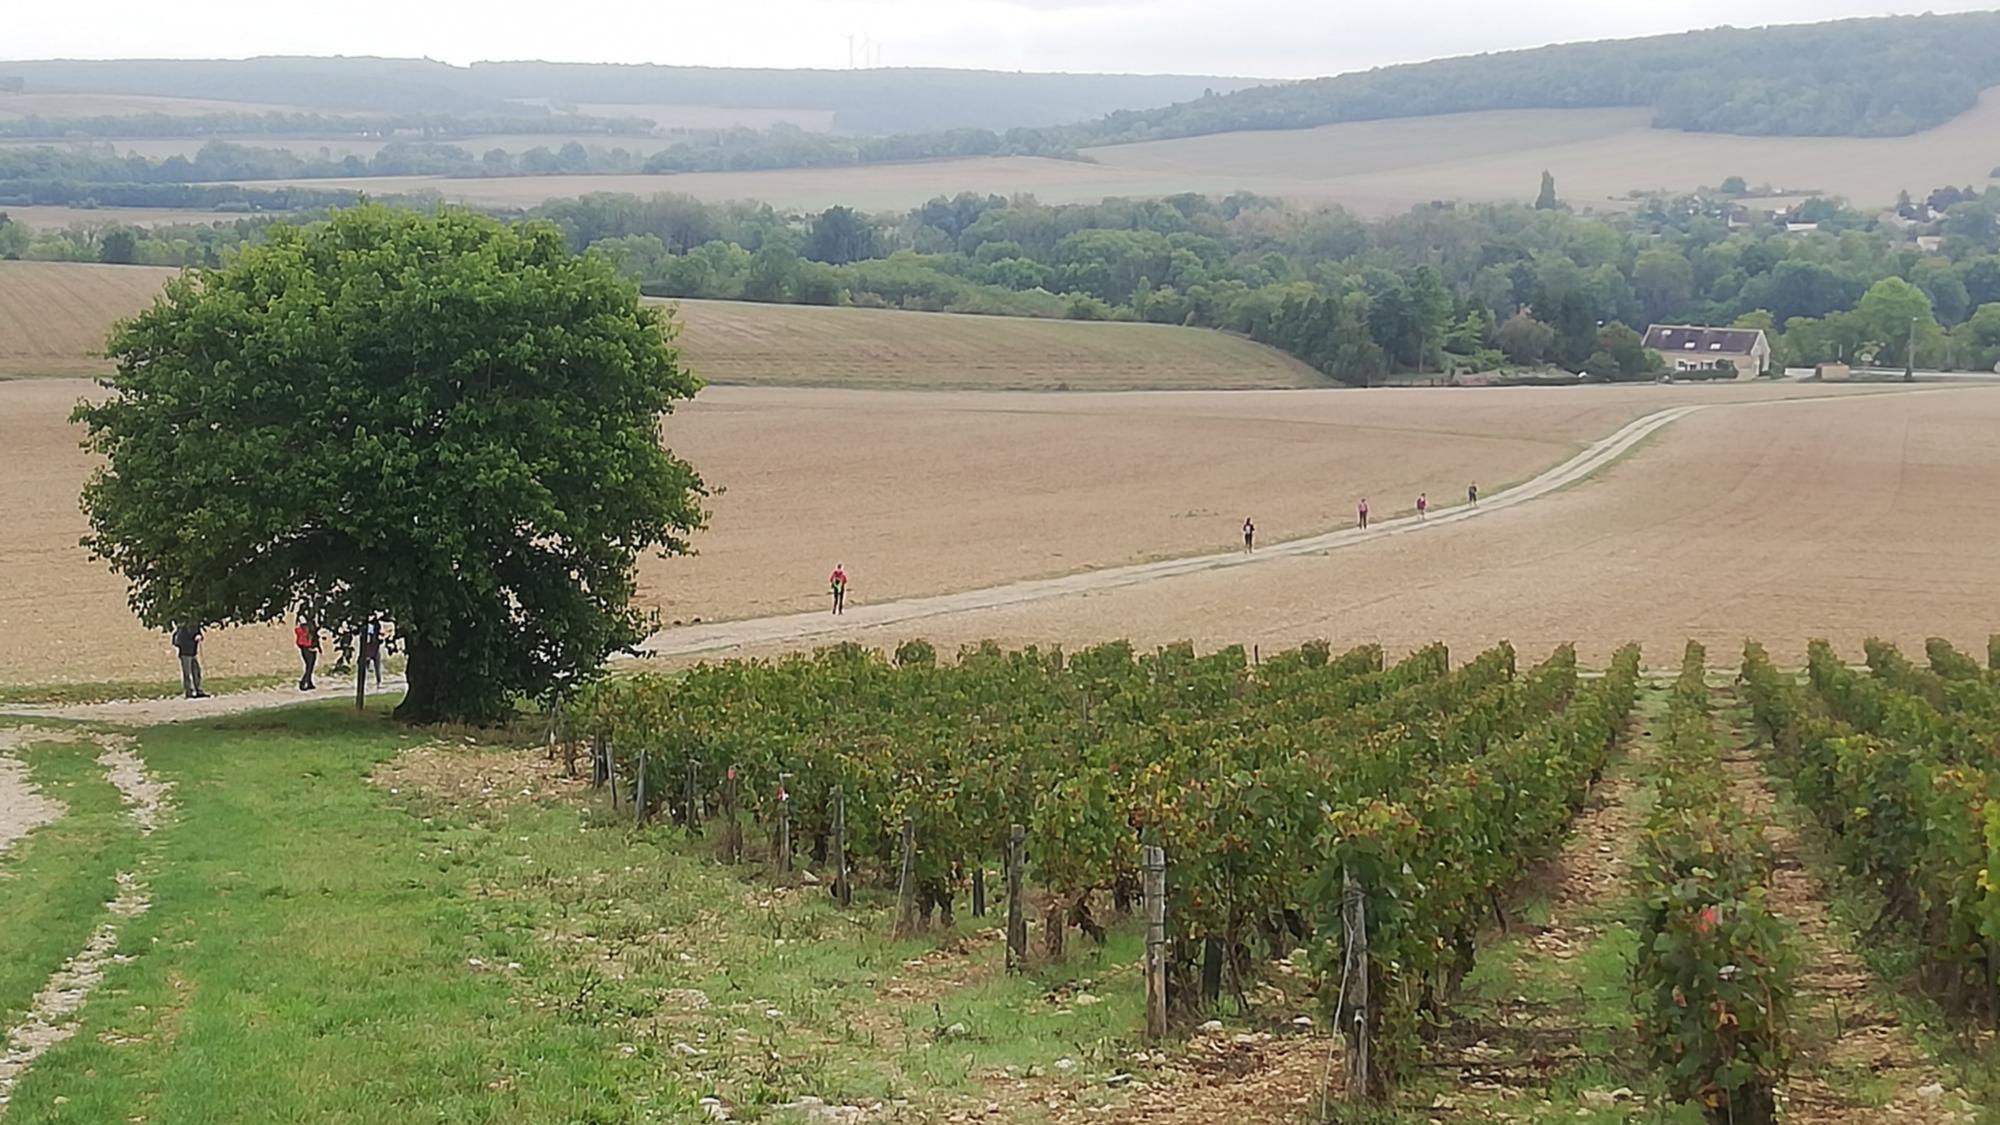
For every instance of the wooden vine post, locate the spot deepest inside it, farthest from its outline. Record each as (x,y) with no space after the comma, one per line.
(784,827)
(693,800)
(639,792)
(1154,862)
(906,882)
(979,891)
(1354,969)
(843,887)
(611,771)
(1017,918)
(732,830)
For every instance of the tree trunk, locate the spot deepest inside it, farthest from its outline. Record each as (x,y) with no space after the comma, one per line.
(447,686)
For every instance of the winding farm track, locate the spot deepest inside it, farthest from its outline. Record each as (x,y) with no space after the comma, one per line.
(54,1014)
(800,628)
(1756,521)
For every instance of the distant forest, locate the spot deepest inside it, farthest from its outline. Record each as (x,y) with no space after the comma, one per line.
(1872,77)
(1437,291)
(864,102)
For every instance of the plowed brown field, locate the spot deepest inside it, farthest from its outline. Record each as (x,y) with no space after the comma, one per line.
(926,492)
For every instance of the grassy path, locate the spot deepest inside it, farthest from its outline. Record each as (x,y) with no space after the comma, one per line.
(1856,1061)
(55,881)
(1544,1031)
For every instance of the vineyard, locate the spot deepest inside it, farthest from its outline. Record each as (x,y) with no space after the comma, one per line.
(1901,764)
(1373,814)
(1033,885)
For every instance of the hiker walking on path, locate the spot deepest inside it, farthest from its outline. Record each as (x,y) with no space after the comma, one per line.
(1361,513)
(307,638)
(838,581)
(1249,536)
(1423,506)
(1472,494)
(187,642)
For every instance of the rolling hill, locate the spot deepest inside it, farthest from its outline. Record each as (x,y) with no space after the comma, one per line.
(860,101)
(54,316)
(1868,77)
(1598,156)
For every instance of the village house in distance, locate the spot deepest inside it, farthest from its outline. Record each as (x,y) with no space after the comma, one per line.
(1688,347)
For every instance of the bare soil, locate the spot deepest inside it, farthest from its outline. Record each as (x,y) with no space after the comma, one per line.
(1843,519)
(23,807)
(466,774)
(918,493)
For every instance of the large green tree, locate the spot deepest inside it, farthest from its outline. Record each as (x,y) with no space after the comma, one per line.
(441,418)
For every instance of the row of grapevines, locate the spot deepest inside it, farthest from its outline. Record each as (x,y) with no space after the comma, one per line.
(1903,767)
(1229,767)
(1435,850)
(1712,979)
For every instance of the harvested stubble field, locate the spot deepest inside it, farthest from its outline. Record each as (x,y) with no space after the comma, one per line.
(54,316)
(1017,486)
(61,218)
(806,346)
(110,105)
(1598,156)
(1843,519)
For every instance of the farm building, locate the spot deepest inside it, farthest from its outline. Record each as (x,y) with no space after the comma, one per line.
(1688,347)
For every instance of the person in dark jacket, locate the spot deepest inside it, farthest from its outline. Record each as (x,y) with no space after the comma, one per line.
(187,642)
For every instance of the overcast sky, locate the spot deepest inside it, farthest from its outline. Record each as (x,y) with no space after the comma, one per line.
(1258,38)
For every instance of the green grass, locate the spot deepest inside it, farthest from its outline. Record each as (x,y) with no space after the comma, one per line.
(322,950)
(55,882)
(107,691)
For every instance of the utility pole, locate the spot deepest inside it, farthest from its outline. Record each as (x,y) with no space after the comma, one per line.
(1910,357)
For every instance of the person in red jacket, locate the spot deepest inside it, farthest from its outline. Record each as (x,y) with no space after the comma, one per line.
(838,581)
(1361,513)
(1423,506)
(307,638)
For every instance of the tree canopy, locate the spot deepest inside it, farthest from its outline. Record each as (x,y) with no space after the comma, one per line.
(1871,77)
(444,419)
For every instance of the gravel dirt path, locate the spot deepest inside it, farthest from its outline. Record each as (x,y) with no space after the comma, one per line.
(23,807)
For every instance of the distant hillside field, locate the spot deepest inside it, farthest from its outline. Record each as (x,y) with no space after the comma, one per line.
(14,105)
(804,346)
(859,101)
(1599,157)
(54,317)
